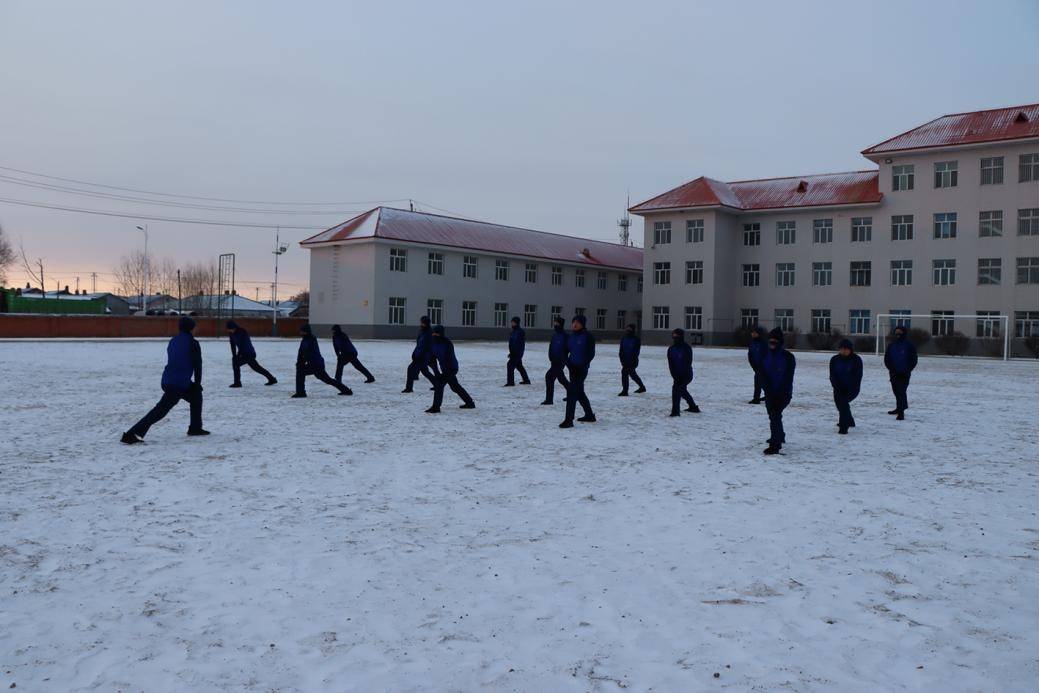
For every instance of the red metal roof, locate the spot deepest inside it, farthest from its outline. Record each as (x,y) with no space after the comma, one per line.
(433,229)
(825,189)
(1015,122)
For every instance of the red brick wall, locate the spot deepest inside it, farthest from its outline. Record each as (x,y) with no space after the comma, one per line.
(102,326)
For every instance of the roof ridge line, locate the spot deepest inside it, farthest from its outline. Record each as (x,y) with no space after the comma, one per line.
(990,110)
(806,175)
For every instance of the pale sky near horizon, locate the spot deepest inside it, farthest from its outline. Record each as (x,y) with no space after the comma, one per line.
(536,114)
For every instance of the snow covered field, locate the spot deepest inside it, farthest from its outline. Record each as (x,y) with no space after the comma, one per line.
(356,543)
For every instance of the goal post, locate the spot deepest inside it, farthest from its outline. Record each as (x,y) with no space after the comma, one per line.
(992,326)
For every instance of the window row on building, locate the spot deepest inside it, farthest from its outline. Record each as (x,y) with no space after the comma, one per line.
(947,173)
(470,312)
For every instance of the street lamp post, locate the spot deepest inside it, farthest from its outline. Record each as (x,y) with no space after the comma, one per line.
(147,269)
(279,250)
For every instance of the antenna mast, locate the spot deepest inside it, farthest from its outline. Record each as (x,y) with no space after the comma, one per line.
(624,223)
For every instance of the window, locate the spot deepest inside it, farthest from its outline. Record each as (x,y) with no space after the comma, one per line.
(945,225)
(694,318)
(435,310)
(557,276)
(469,267)
(859,321)
(1028,168)
(530,315)
(751,275)
(901,273)
(786,232)
(785,319)
(622,282)
(1028,270)
(602,281)
(397,310)
(398,260)
(579,311)
(1026,323)
(694,272)
(661,232)
(661,272)
(822,273)
(436,263)
(900,318)
(622,319)
(902,227)
(941,322)
(748,317)
(501,314)
(990,224)
(902,177)
(530,273)
(557,312)
(579,278)
(468,313)
(861,273)
(501,270)
(694,231)
(600,318)
(945,174)
(822,231)
(1028,222)
(821,320)
(990,271)
(992,170)
(944,272)
(752,234)
(661,317)
(784,274)
(638,285)
(861,229)
(988,324)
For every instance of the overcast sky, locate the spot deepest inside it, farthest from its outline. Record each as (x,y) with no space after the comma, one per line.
(536,114)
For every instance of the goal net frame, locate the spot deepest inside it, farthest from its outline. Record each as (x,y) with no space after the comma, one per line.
(885,318)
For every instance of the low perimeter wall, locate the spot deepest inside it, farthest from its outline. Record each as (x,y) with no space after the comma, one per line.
(122,326)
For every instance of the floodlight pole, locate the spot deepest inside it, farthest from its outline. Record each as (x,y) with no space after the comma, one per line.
(279,249)
(147,269)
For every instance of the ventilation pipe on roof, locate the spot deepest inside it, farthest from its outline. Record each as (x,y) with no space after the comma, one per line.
(1021,117)
(586,252)
(802,187)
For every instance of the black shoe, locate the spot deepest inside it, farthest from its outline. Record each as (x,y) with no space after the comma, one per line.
(771,450)
(587,418)
(406,391)
(901,417)
(235,385)
(346,391)
(694,409)
(525,382)
(622,394)
(675,413)
(843,430)
(851,425)
(432,388)
(547,402)
(272,381)
(640,391)
(567,424)
(298,395)
(468,405)
(198,432)
(893,412)
(433,410)
(130,439)
(754,401)
(509,385)
(369,380)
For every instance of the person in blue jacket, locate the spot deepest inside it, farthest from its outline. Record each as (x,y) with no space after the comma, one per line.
(580,352)
(630,348)
(900,359)
(846,379)
(244,354)
(310,362)
(181,380)
(421,357)
(346,353)
(557,351)
(755,353)
(517,345)
(443,352)
(680,363)
(777,380)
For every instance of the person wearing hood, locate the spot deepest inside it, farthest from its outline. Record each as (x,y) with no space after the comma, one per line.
(310,362)
(517,345)
(557,351)
(244,354)
(580,353)
(443,354)
(346,353)
(846,378)
(900,359)
(630,348)
(421,357)
(181,380)
(680,363)
(777,380)
(755,354)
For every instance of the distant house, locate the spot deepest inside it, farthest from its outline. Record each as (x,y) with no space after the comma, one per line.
(226,305)
(54,302)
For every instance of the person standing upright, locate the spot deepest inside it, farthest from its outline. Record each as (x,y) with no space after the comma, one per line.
(244,354)
(846,379)
(581,352)
(443,350)
(517,345)
(755,354)
(310,362)
(346,353)
(777,379)
(181,380)
(421,357)
(680,363)
(557,352)
(900,359)
(630,348)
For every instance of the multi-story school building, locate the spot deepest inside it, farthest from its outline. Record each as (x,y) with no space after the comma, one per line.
(947,224)
(378,273)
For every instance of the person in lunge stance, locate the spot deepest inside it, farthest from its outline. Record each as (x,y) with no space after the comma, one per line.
(846,378)
(346,353)
(557,351)
(310,362)
(443,351)
(680,363)
(517,345)
(421,356)
(244,354)
(630,348)
(181,380)
(900,359)
(581,351)
(777,379)
(755,354)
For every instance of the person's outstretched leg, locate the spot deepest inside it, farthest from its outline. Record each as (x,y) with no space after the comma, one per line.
(524,380)
(254,364)
(359,367)
(638,381)
(168,400)
(323,376)
(689,399)
(456,387)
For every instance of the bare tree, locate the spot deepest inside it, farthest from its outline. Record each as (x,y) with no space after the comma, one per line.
(129,274)
(164,277)
(199,279)
(34,268)
(6,256)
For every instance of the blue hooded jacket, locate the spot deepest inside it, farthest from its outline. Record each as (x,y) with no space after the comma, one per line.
(557,348)
(581,345)
(241,344)
(756,352)
(341,344)
(846,372)
(309,353)
(900,356)
(777,370)
(517,342)
(680,359)
(183,358)
(630,348)
(423,342)
(443,351)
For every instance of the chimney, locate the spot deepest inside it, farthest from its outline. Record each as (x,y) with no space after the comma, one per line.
(802,187)
(1021,117)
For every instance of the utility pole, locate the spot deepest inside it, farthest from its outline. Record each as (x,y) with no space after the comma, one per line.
(93,282)
(180,294)
(279,250)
